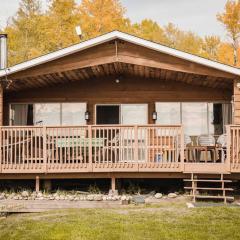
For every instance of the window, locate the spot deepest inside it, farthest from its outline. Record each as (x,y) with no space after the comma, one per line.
(168,113)
(21,114)
(197,118)
(48,114)
(73,113)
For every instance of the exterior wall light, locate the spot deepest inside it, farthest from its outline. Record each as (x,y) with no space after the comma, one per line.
(154,116)
(87,115)
(238,85)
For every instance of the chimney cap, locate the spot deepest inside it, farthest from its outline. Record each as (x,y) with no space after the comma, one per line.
(3,35)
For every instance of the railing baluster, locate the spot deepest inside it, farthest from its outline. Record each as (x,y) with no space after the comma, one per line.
(45,149)
(90,148)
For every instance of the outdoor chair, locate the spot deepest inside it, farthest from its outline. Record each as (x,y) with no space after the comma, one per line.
(208,144)
(222,147)
(188,143)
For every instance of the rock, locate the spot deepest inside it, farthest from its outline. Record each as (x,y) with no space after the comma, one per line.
(71,198)
(172,195)
(57,198)
(158,195)
(104,198)
(39,194)
(138,199)
(2,197)
(98,197)
(114,198)
(90,197)
(51,198)
(190,205)
(113,192)
(123,197)
(25,194)
(15,198)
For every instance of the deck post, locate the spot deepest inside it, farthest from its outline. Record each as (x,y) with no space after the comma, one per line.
(37,185)
(90,148)
(113,184)
(236,101)
(228,158)
(182,148)
(44,148)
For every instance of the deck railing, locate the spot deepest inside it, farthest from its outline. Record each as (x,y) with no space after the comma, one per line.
(233,151)
(91,149)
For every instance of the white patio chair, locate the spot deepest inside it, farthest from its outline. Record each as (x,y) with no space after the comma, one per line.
(222,147)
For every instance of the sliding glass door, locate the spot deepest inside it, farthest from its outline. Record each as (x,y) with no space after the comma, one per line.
(197,117)
(48,114)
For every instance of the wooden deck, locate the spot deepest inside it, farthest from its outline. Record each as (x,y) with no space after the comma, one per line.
(107,149)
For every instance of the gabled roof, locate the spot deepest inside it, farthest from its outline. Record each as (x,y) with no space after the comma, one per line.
(125,37)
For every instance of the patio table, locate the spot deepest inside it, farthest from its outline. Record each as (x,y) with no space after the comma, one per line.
(79,142)
(205,149)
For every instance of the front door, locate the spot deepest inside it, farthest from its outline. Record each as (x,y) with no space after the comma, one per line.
(107,114)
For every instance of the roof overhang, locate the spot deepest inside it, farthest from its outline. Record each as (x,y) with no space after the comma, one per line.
(125,37)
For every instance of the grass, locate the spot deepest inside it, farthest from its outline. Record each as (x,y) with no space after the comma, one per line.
(164,221)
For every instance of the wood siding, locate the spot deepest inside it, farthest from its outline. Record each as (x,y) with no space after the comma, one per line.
(129,90)
(236,103)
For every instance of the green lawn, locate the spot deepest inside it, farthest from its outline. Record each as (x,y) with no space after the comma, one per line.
(165,221)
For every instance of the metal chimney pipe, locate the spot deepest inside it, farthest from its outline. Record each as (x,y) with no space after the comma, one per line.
(3,51)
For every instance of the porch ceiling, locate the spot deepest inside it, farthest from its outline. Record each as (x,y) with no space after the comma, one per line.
(118,69)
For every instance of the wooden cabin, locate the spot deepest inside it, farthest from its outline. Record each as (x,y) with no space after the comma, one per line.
(118,106)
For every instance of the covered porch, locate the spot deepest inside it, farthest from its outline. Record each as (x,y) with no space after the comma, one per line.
(120,104)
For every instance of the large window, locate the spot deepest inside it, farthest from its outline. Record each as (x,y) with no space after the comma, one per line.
(197,118)
(168,113)
(73,113)
(48,114)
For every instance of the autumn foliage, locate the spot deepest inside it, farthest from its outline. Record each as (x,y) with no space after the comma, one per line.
(34,31)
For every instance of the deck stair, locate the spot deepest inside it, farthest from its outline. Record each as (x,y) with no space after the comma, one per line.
(209,187)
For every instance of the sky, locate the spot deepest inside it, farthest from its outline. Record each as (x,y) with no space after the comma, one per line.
(198,16)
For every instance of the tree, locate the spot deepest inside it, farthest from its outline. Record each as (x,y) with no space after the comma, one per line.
(149,30)
(23,31)
(230,18)
(61,19)
(101,16)
(210,47)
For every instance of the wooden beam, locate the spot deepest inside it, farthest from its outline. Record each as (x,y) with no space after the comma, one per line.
(236,102)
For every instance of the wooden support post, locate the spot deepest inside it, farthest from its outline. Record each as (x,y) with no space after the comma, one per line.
(45,149)
(90,148)
(236,99)
(37,185)
(182,155)
(113,184)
